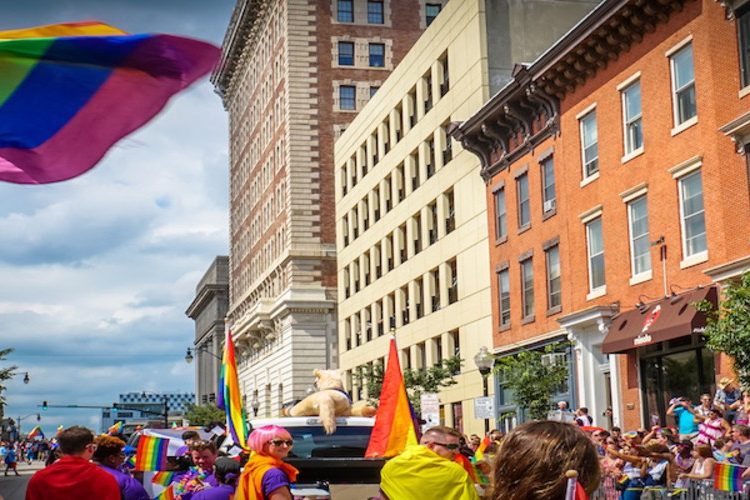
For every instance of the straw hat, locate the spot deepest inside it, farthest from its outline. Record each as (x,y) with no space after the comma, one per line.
(725,381)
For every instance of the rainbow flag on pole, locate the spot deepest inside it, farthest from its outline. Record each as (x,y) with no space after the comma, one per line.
(483,445)
(728,477)
(229,398)
(115,429)
(394,427)
(151,453)
(166,494)
(163,478)
(36,431)
(69,92)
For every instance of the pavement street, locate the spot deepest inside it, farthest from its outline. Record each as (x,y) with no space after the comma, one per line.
(13,487)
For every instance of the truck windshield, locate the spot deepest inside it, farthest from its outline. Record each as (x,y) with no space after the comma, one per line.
(314,442)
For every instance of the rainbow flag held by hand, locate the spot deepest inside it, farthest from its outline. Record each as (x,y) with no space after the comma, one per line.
(115,429)
(36,431)
(479,452)
(69,92)
(728,477)
(394,427)
(166,494)
(230,399)
(163,478)
(151,454)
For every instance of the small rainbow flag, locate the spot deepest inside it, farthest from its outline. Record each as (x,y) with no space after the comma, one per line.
(69,92)
(728,477)
(163,478)
(229,398)
(130,462)
(394,427)
(115,429)
(479,452)
(151,453)
(166,494)
(36,431)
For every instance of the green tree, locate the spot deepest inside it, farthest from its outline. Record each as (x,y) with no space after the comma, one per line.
(5,374)
(728,326)
(204,414)
(532,380)
(417,382)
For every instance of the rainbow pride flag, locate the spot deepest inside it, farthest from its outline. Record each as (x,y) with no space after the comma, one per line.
(163,478)
(728,477)
(151,453)
(483,445)
(36,431)
(229,398)
(115,429)
(166,494)
(394,427)
(69,92)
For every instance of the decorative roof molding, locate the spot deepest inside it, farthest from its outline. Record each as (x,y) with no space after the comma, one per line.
(526,111)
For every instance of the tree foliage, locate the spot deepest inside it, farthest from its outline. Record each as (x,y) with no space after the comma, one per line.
(417,382)
(204,414)
(532,381)
(728,327)
(5,374)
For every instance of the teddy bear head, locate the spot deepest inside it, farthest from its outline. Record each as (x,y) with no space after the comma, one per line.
(328,379)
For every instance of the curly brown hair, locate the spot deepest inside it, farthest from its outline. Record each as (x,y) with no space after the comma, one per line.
(534,457)
(107,446)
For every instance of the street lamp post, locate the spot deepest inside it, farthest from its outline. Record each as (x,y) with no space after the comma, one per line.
(484,361)
(20,419)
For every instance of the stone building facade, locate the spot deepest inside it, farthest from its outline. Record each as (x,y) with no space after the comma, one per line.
(293,74)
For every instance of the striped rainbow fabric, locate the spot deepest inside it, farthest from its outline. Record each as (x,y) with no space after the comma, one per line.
(230,399)
(115,429)
(36,431)
(483,445)
(166,494)
(68,92)
(728,477)
(163,478)
(394,427)
(151,453)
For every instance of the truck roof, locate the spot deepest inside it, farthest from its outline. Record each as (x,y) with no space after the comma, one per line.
(312,421)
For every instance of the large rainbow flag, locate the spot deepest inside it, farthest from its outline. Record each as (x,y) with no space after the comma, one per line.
(230,399)
(151,453)
(394,427)
(68,92)
(36,431)
(728,477)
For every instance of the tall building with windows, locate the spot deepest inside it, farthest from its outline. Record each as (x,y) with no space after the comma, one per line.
(293,74)
(616,169)
(412,231)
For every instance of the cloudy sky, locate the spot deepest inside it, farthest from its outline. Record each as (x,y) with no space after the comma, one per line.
(96,273)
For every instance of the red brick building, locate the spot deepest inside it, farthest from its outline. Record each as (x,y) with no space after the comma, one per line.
(619,199)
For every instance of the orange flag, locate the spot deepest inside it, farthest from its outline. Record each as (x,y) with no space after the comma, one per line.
(394,423)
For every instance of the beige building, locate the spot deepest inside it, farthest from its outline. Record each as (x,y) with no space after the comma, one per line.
(410,206)
(293,73)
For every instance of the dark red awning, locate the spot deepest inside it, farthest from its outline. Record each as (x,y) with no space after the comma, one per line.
(658,321)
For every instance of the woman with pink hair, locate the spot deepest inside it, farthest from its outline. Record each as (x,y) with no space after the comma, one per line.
(266,476)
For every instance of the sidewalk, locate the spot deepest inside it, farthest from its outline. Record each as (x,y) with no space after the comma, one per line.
(25,469)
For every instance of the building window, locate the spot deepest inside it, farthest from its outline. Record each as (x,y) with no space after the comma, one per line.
(503,293)
(692,215)
(640,255)
(683,85)
(377,55)
(347,97)
(631,110)
(524,207)
(743,38)
(501,227)
(548,187)
(431,12)
(527,282)
(346,53)
(373,90)
(375,12)
(589,145)
(595,247)
(345,11)
(554,295)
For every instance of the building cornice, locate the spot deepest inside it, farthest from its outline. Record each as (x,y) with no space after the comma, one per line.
(526,110)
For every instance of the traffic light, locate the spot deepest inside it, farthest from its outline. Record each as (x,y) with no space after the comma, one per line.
(44,405)
(114,408)
(38,417)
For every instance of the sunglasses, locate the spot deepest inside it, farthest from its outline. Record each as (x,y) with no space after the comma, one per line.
(449,446)
(279,442)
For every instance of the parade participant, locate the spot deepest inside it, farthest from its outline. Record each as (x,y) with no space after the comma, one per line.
(428,467)
(204,455)
(728,398)
(226,471)
(474,442)
(535,456)
(188,437)
(11,460)
(712,427)
(109,456)
(583,418)
(200,476)
(73,477)
(266,476)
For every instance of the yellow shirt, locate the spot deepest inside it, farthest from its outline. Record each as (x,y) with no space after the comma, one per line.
(420,473)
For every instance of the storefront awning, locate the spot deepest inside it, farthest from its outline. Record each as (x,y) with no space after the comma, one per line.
(658,321)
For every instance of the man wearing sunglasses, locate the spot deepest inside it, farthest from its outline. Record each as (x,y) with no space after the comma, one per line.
(73,477)
(428,470)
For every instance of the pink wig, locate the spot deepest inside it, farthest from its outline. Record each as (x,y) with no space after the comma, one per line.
(262,435)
